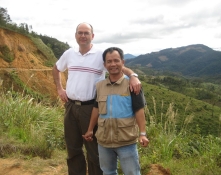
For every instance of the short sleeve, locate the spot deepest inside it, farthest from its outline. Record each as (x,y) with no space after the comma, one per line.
(138,101)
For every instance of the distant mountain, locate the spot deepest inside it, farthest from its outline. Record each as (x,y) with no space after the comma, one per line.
(193,60)
(128,56)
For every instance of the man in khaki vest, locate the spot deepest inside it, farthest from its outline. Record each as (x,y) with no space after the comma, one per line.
(120,117)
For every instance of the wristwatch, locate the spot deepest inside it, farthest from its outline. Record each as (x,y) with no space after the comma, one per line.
(134,74)
(143,134)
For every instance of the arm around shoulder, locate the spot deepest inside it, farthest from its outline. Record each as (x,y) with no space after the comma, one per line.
(135,84)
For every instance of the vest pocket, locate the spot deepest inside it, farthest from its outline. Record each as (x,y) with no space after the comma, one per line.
(102,104)
(127,129)
(101,131)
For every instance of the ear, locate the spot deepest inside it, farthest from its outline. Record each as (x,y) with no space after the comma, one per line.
(123,62)
(105,65)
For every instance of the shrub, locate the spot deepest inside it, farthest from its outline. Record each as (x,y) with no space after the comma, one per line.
(6,54)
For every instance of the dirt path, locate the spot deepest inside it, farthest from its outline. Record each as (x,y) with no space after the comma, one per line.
(31,167)
(156,169)
(38,166)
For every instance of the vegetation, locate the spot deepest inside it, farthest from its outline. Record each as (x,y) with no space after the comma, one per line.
(203,114)
(31,128)
(183,152)
(198,88)
(6,54)
(55,45)
(36,129)
(25,89)
(46,51)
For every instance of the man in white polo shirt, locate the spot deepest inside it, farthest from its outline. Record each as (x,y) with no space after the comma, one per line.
(85,69)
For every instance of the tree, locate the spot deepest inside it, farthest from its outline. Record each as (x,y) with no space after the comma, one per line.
(4,17)
(23,27)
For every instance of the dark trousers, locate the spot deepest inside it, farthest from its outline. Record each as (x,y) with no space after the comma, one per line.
(76,122)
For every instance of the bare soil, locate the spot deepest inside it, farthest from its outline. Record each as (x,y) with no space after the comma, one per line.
(36,166)
(28,65)
(156,169)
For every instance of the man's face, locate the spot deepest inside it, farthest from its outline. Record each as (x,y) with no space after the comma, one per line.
(114,63)
(84,35)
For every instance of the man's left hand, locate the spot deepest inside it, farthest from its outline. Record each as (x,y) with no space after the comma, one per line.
(143,141)
(135,85)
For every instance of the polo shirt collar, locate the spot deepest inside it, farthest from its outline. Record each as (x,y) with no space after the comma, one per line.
(92,50)
(108,82)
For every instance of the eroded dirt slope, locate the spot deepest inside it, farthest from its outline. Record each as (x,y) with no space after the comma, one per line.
(28,65)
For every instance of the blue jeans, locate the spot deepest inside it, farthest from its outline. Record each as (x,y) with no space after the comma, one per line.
(128,157)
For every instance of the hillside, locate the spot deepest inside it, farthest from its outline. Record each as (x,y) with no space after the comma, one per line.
(161,100)
(23,65)
(192,61)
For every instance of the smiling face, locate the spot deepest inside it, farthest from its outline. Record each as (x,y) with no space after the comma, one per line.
(84,35)
(114,63)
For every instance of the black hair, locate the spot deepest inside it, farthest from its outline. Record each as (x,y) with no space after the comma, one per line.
(92,29)
(110,50)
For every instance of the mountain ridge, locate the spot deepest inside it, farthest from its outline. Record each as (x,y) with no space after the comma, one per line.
(128,56)
(193,60)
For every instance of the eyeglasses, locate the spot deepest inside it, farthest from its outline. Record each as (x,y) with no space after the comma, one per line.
(83,33)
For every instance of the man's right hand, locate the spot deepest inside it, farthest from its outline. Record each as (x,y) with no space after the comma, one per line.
(88,136)
(62,94)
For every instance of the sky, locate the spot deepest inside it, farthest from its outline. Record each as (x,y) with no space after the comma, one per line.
(136,26)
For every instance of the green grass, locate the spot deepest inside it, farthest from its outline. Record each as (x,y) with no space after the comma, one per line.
(183,150)
(44,50)
(35,128)
(7,55)
(26,90)
(201,114)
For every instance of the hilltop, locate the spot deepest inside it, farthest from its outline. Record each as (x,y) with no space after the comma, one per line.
(195,60)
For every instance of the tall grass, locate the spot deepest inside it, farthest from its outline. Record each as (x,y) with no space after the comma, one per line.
(38,126)
(181,151)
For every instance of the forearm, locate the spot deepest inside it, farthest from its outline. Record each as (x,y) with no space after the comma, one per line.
(140,117)
(135,84)
(127,71)
(57,77)
(94,118)
(141,121)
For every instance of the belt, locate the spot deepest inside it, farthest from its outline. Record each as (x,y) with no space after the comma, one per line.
(77,102)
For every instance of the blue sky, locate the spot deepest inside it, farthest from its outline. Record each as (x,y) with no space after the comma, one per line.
(136,26)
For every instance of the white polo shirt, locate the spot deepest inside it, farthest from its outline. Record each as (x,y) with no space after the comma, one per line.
(84,71)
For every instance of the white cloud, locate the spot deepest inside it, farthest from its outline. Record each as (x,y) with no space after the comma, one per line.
(137,26)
